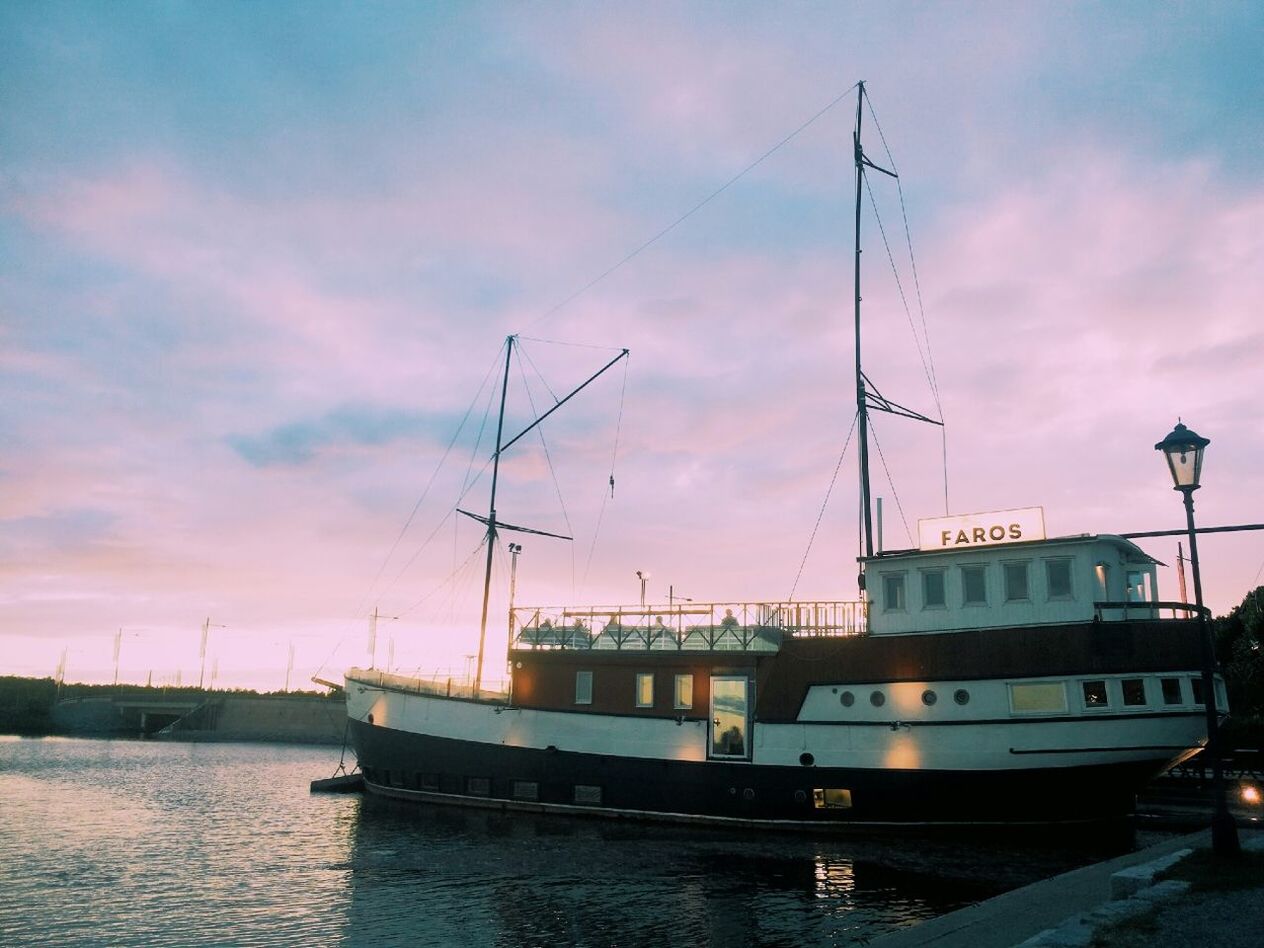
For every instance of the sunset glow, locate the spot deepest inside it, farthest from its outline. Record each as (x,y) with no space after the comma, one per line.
(258,261)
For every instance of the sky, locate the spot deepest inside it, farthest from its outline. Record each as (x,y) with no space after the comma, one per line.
(258,263)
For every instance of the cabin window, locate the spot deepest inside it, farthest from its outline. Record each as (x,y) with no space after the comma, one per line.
(893,592)
(479,787)
(428,782)
(645,690)
(974,585)
(933,592)
(1134,691)
(1095,695)
(1197,684)
(1136,586)
(526,790)
(583,687)
(683,697)
(585,793)
(1016,582)
(1036,696)
(831,798)
(1172,691)
(1058,576)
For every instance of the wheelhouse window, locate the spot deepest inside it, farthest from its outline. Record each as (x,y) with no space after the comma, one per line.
(1058,578)
(645,690)
(893,592)
(933,591)
(1015,575)
(1038,696)
(1134,691)
(1172,691)
(1197,684)
(1095,694)
(974,585)
(682,699)
(583,687)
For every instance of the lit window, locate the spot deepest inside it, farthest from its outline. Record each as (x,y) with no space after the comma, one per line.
(1095,694)
(1034,696)
(1172,691)
(893,592)
(1016,582)
(974,585)
(1134,691)
(933,595)
(831,798)
(583,687)
(1058,574)
(645,690)
(684,692)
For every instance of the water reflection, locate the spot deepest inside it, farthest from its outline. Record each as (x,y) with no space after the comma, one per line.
(135,843)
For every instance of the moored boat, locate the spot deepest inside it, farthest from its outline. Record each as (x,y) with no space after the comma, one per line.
(992,675)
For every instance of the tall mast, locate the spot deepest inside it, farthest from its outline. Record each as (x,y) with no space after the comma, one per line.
(862,408)
(491,519)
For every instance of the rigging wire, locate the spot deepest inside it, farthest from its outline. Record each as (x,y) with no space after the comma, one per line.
(894,493)
(614,455)
(824,503)
(450,578)
(557,487)
(693,210)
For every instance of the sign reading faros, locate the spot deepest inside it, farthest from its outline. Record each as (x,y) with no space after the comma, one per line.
(981,529)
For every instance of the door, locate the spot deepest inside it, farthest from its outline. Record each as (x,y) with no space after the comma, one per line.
(730,717)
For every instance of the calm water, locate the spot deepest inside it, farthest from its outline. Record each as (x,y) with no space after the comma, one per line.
(137,843)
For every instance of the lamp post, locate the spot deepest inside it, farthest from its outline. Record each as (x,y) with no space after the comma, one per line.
(1183,450)
(514,550)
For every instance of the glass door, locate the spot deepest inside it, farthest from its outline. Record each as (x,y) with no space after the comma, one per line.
(730,717)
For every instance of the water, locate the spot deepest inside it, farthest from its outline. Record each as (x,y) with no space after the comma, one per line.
(135,843)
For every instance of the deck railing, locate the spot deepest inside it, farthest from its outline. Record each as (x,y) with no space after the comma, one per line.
(713,627)
(438,683)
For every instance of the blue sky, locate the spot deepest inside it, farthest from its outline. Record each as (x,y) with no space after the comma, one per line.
(257,259)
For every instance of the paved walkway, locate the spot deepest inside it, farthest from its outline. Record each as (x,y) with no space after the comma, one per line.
(1014,917)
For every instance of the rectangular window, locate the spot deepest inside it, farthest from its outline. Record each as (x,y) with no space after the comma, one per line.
(587,794)
(479,787)
(683,698)
(526,790)
(1134,691)
(1172,691)
(1058,575)
(831,798)
(1198,690)
(893,592)
(645,690)
(1016,582)
(583,687)
(1095,695)
(430,782)
(933,593)
(974,585)
(1047,696)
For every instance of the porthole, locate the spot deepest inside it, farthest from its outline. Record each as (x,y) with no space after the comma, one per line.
(806,759)
(877,699)
(929,697)
(800,796)
(961,696)
(748,794)
(847,699)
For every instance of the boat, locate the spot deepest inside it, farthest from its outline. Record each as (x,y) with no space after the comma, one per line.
(992,675)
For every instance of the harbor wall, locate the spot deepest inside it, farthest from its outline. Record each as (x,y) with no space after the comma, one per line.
(296,719)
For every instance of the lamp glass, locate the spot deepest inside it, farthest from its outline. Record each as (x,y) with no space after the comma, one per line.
(1183,450)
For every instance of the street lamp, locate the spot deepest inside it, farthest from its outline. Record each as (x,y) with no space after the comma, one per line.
(644,578)
(1183,451)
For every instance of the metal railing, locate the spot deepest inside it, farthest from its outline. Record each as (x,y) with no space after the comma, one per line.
(1144,609)
(447,685)
(713,627)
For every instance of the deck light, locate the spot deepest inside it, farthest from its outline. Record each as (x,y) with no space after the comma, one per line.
(1251,794)
(1183,451)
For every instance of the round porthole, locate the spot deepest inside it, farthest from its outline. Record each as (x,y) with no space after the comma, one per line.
(961,696)
(800,796)
(806,759)
(929,697)
(847,699)
(370,718)
(877,699)
(748,794)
